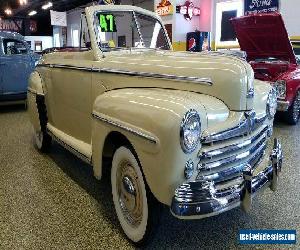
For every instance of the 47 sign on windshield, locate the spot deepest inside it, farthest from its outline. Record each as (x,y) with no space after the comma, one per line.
(107,23)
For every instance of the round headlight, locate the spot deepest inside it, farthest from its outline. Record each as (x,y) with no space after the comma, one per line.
(190,131)
(272,104)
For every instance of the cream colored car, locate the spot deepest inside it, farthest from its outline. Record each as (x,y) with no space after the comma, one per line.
(187,130)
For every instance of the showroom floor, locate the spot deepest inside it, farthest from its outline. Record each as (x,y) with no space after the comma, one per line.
(53,201)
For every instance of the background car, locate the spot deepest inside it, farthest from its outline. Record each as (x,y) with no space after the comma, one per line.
(16,64)
(269,51)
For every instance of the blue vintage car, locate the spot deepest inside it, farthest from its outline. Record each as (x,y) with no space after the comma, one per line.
(16,64)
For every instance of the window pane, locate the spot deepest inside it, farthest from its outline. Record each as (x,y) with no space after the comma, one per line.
(14,47)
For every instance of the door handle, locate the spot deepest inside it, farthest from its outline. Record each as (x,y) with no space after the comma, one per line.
(2,63)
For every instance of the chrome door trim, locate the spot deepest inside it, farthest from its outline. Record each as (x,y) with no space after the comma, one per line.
(124,127)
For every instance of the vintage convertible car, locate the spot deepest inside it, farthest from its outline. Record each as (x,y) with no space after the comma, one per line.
(16,64)
(269,51)
(186,130)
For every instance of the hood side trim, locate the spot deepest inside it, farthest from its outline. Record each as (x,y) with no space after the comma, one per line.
(204,81)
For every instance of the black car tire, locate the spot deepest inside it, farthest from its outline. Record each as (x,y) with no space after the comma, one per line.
(293,113)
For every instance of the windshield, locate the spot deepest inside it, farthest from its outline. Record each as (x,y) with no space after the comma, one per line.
(129,30)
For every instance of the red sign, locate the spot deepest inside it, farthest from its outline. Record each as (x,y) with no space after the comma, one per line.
(164,8)
(192,44)
(188,10)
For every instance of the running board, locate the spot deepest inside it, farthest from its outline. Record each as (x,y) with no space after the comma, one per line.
(79,148)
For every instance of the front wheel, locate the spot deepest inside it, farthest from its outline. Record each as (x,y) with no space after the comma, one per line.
(293,113)
(137,209)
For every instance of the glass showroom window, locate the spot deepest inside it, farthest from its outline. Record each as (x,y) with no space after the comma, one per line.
(225,36)
(75,36)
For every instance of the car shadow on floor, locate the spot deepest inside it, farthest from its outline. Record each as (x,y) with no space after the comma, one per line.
(82,174)
(15,108)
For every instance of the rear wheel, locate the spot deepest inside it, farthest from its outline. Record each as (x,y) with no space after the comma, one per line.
(293,113)
(42,139)
(137,209)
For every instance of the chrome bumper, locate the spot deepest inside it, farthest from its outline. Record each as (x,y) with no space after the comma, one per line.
(196,200)
(283,105)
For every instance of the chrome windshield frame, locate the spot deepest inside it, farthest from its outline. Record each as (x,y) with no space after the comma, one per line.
(167,41)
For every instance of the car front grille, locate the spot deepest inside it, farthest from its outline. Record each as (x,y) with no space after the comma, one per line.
(224,156)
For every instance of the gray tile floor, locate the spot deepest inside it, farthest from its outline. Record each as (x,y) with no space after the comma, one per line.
(52,201)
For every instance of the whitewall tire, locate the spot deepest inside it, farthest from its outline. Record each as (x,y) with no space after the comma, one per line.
(42,140)
(135,206)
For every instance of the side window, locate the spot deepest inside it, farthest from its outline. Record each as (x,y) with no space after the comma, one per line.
(14,47)
(85,41)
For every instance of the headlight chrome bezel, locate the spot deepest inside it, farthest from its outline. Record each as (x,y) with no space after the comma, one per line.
(280,86)
(271,107)
(191,114)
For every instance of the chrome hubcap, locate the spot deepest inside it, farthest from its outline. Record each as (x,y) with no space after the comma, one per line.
(129,194)
(296,108)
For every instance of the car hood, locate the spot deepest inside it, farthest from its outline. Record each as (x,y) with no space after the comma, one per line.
(263,36)
(229,76)
(225,77)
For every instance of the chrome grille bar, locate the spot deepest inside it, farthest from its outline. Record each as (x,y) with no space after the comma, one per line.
(230,148)
(257,147)
(232,172)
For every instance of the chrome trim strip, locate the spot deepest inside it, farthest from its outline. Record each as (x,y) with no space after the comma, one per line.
(230,148)
(64,66)
(118,125)
(70,148)
(204,81)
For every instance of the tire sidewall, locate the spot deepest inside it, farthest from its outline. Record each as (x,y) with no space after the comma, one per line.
(38,138)
(135,234)
(295,121)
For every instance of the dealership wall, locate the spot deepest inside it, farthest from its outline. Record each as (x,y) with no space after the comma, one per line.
(47,41)
(181,26)
(290,12)
(288,8)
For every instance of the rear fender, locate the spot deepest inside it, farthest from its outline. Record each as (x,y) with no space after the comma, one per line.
(35,90)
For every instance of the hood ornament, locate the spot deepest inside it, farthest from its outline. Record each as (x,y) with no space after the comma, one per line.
(250,118)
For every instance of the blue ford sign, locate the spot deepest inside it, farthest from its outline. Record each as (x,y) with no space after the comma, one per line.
(260,6)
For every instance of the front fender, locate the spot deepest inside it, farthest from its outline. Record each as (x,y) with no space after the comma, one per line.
(150,119)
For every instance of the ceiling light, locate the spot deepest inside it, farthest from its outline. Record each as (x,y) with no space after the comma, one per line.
(8,11)
(32,13)
(47,6)
(23,2)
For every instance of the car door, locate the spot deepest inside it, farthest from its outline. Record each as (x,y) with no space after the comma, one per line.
(16,66)
(69,96)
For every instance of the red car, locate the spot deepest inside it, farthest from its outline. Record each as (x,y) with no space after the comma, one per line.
(269,51)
